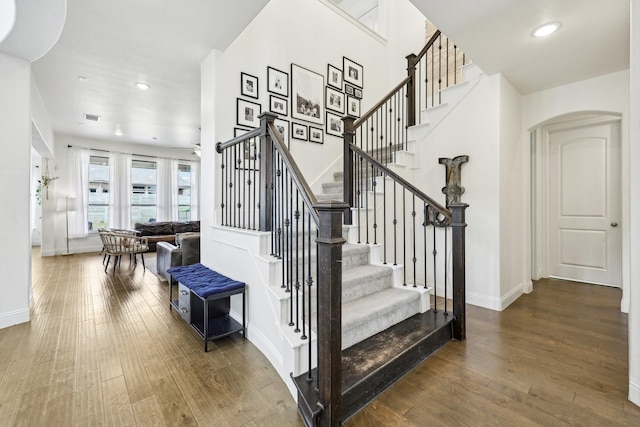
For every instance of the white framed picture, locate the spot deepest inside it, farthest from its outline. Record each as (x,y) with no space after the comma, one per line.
(307,95)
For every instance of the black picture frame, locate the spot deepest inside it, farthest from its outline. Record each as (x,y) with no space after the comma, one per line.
(353,106)
(248,85)
(278,105)
(349,90)
(357,93)
(247,113)
(307,95)
(352,72)
(334,100)
(299,131)
(248,156)
(277,82)
(335,125)
(334,77)
(283,128)
(316,135)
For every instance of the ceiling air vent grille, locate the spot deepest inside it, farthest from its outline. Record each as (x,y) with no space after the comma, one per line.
(92,117)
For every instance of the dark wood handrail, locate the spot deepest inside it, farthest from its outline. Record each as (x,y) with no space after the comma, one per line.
(373,109)
(435,205)
(221,146)
(426,47)
(307,195)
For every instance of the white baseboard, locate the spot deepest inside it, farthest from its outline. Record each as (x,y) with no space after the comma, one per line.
(484,301)
(624,305)
(634,392)
(14,318)
(494,303)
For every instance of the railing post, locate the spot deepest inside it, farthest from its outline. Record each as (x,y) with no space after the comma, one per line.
(266,172)
(330,243)
(347,158)
(411,90)
(458,226)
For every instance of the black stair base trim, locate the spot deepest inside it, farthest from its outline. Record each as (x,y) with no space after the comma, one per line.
(376,380)
(374,364)
(308,398)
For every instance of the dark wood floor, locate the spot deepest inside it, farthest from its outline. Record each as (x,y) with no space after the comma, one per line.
(101,350)
(555,357)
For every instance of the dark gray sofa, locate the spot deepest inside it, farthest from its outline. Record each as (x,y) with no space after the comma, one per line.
(165,231)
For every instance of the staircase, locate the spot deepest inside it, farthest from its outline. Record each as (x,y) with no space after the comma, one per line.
(373,298)
(358,306)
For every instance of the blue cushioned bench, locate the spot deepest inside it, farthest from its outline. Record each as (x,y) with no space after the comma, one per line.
(205,294)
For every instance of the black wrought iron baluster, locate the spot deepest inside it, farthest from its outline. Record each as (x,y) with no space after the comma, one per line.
(290,189)
(425,223)
(404,237)
(395,224)
(303,281)
(366,189)
(239,188)
(360,195)
(384,218)
(414,258)
(255,185)
(439,70)
(296,265)
(455,64)
(435,262)
(374,183)
(447,68)
(310,290)
(222,183)
(446,270)
(243,201)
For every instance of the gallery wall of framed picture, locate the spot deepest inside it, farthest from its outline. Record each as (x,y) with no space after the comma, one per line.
(307,105)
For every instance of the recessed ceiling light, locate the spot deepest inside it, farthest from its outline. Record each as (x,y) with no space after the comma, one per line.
(82,78)
(142,85)
(154,138)
(92,117)
(118,132)
(546,29)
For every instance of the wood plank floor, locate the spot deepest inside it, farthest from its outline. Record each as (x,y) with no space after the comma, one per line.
(106,351)
(555,357)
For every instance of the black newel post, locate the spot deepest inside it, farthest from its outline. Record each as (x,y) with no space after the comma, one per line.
(266,172)
(330,243)
(458,226)
(347,158)
(411,90)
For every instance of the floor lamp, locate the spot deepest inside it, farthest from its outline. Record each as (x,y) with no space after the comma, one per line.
(66,204)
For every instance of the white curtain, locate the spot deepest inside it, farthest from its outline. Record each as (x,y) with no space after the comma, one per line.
(120,200)
(167,190)
(78,160)
(195,191)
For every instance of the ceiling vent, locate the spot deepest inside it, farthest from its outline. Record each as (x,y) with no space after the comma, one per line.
(92,117)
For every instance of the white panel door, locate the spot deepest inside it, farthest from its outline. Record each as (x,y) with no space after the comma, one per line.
(585,239)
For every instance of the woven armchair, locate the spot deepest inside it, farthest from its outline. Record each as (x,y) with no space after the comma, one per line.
(118,243)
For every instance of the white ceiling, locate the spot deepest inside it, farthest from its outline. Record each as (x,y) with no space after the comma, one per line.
(114,44)
(162,42)
(496,34)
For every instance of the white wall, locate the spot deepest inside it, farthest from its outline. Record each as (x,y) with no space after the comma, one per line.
(309,34)
(472,128)
(515,276)
(634,208)
(604,94)
(15,149)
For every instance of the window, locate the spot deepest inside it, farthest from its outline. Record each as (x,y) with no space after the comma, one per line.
(144,194)
(98,200)
(184,192)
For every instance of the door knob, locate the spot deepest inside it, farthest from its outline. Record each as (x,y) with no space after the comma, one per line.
(614,224)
